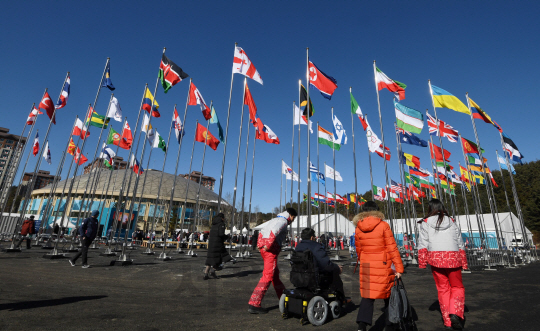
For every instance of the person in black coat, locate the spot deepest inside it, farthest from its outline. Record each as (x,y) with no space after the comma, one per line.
(88,232)
(217,254)
(324,265)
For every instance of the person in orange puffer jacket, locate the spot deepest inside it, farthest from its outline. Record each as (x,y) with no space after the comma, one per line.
(377,251)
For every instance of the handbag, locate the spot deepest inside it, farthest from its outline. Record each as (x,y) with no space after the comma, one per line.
(400,312)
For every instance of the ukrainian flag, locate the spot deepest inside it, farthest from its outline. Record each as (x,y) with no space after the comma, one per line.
(444,99)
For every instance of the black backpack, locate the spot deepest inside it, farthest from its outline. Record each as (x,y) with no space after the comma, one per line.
(400,312)
(304,272)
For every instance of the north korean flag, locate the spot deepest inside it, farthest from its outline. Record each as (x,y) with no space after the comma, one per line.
(321,81)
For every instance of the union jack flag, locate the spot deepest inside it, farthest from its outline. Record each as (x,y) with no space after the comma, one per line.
(443,129)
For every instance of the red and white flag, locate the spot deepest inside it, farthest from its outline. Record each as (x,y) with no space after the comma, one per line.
(195,98)
(33,116)
(79,157)
(242,65)
(47,104)
(248,101)
(36,145)
(263,132)
(321,81)
(127,135)
(80,129)
(178,126)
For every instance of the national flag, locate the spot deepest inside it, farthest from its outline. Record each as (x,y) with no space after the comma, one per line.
(410,160)
(477,169)
(127,135)
(47,153)
(406,137)
(80,129)
(445,99)
(424,183)
(301,119)
(204,136)
(242,65)
(408,119)
(442,129)
(437,153)
(156,140)
(179,127)
(33,116)
(115,111)
(35,147)
(106,82)
(148,101)
(396,187)
(195,98)
(327,138)
(108,154)
(263,132)
(76,152)
(393,86)
(355,108)
(480,114)
(379,192)
(321,81)
(134,164)
(287,171)
(361,201)
(248,101)
(316,175)
(169,73)
(493,179)
(382,154)
(303,102)
(469,146)
(339,132)
(465,178)
(47,104)
(331,173)
(510,147)
(474,160)
(96,120)
(502,162)
(62,101)
(320,197)
(419,172)
(116,139)
(351,197)
(146,126)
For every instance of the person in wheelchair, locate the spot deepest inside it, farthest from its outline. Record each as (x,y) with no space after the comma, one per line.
(328,272)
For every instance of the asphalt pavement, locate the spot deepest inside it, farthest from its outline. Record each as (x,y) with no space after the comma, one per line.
(44,294)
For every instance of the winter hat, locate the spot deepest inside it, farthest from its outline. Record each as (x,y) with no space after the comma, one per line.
(95,213)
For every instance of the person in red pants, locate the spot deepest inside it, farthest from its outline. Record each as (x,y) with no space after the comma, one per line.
(440,245)
(271,237)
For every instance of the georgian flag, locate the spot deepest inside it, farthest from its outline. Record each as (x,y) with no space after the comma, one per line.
(114,110)
(36,145)
(47,153)
(195,98)
(33,116)
(242,65)
(177,125)
(62,101)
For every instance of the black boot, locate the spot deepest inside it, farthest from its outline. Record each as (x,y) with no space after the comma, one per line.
(257,310)
(457,322)
(362,326)
(213,274)
(206,276)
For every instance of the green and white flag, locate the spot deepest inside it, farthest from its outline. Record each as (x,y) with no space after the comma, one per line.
(409,119)
(156,141)
(327,138)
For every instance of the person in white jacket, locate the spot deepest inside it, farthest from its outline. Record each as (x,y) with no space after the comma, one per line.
(440,245)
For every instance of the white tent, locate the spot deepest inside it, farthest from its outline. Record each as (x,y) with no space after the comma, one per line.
(327,224)
(486,220)
(65,222)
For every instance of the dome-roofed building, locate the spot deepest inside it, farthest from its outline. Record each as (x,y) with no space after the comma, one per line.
(107,204)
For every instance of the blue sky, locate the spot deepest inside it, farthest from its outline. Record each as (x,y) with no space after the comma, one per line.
(489,49)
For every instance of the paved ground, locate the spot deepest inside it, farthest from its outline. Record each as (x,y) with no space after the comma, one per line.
(40,294)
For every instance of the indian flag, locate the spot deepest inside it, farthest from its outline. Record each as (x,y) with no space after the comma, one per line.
(383,82)
(409,119)
(327,138)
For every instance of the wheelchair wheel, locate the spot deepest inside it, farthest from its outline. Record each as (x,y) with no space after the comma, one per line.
(335,309)
(282,304)
(317,311)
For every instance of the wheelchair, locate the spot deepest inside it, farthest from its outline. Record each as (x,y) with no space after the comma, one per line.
(312,299)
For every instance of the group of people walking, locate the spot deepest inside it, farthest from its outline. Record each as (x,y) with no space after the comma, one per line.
(439,244)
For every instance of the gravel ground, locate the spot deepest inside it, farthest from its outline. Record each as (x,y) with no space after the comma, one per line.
(42,294)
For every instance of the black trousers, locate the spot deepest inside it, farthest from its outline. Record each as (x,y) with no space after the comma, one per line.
(84,251)
(28,242)
(365,311)
(333,281)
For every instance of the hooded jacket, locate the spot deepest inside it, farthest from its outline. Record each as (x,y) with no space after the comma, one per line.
(216,246)
(441,246)
(274,232)
(377,250)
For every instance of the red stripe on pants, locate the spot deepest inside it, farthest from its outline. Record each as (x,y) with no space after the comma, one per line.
(270,275)
(451,292)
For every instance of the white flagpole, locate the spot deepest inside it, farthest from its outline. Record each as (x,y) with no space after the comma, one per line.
(308,204)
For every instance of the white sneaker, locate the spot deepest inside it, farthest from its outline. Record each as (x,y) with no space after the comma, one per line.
(86,266)
(71,262)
